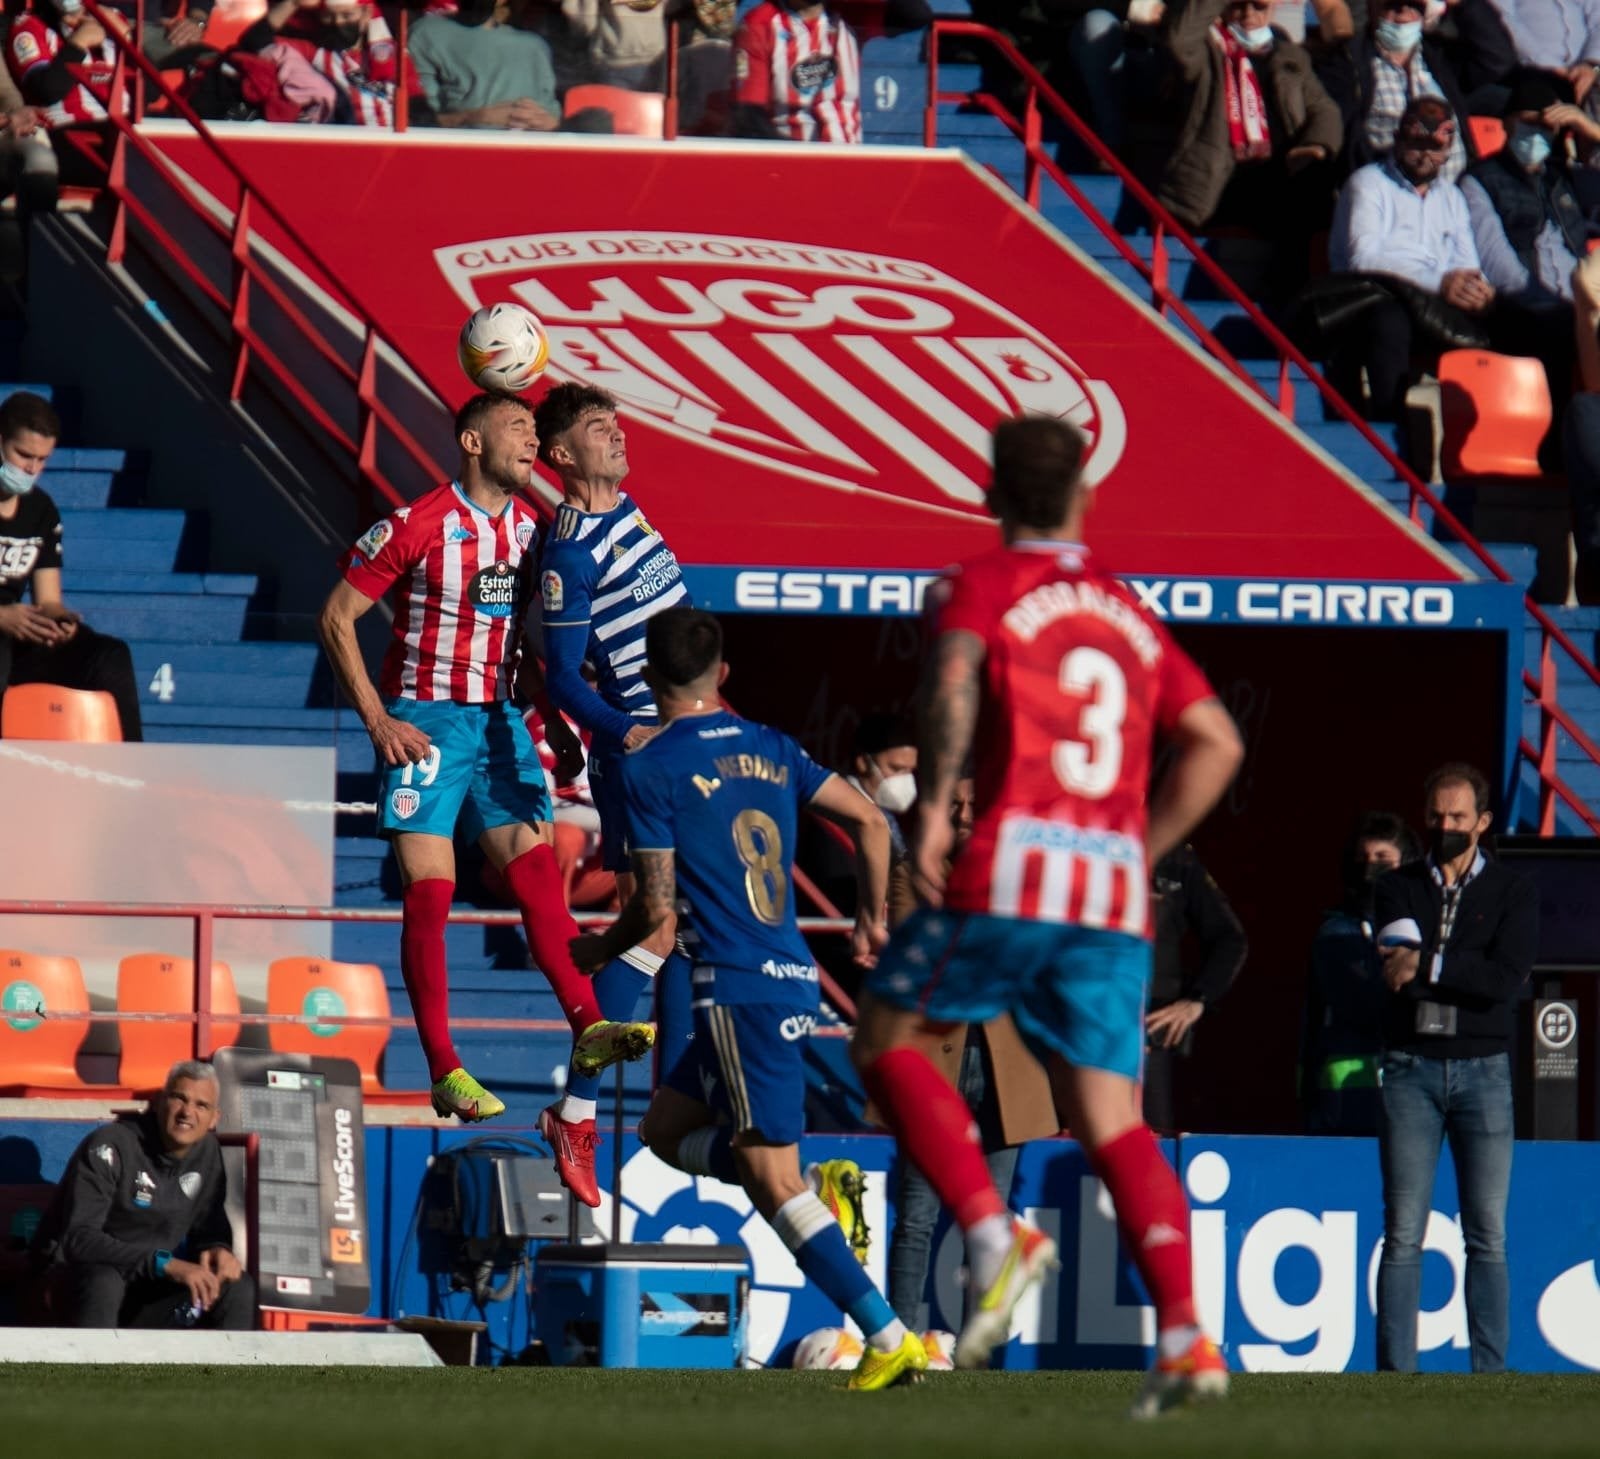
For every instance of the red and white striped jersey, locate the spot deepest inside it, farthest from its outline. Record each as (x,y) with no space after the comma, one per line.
(364,74)
(805,73)
(31,45)
(1077,678)
(464,583)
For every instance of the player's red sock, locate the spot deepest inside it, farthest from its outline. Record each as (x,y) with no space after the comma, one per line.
(1153,1217)
(426,907)
(936,1129)
(535,882)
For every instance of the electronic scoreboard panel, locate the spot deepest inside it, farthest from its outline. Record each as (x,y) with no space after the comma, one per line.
(312,1191)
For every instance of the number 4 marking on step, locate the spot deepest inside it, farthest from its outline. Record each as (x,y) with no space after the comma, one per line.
(164,686)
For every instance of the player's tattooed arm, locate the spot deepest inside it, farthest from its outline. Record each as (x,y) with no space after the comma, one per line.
(654,897)
(948,714)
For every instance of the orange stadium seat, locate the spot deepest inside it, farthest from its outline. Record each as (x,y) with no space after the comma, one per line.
(327,991)
(633,113)
(49,712)
(230,19)
(1488,134)
(1496,411)
(37,1052)
(152,982)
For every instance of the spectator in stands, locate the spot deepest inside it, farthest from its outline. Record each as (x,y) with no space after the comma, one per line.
(28,164)
(705,67)
(350,44)
(626,44)
(1346,999)
(1005,1087)
(883,767)
(62,62)
(796,75)
(1186,903)
(1259,145)
(1457,935)
(137,1234)
(1530,231)
(1408,235)
(1376,73)
(1107,43)
(477,71)
(1556,35)
(44,641)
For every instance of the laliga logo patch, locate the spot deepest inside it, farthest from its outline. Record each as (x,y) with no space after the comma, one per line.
(405,802)
(854,371)
(551,592)
(372,543)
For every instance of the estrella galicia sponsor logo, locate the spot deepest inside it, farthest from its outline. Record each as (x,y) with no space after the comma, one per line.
(493,592)
(797,1026)
(813,73)
(696,334)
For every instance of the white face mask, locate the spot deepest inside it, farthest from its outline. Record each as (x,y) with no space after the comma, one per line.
(15,480)
(1255,39)
(897,793)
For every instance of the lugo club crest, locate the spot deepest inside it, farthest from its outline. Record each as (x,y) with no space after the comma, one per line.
(849,370)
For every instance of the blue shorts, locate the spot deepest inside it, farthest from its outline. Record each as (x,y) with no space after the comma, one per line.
(482,772)
(747,1062)
(605,785)
(1074,991)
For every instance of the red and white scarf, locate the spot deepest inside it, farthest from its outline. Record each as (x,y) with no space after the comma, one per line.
(1248,134)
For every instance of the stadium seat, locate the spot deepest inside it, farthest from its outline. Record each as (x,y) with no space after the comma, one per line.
(317,987)
(41,1053)
(49,712)
(230,19)
(1496,411)
(152,982)
(633,113)
(1488,134)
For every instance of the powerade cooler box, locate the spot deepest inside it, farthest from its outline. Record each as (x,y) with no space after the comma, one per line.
(646,1306)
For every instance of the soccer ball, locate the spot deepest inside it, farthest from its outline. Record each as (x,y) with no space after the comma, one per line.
(941,1349)
(503,347)
(828,1349)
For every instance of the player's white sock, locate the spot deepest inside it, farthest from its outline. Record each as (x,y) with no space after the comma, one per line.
(1174,1342)
(987,1245)
(575,1110)
(887,1339)
(647,962)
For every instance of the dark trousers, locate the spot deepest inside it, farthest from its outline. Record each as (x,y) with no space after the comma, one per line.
(1581,450)
(101,1296)
(88,660)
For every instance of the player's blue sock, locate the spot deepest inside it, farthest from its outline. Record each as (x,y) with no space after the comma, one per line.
(709,1151)
(617,987)
(808,1229)
(674,1013)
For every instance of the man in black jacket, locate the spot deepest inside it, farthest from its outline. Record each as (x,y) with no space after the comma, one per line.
(136,1194)
(1457,934)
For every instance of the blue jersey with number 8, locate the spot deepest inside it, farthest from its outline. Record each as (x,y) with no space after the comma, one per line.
(724,795)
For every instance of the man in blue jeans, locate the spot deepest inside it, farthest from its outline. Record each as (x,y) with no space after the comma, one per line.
(1457,933)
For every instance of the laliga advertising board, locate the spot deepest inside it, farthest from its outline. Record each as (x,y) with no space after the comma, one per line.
(806,337)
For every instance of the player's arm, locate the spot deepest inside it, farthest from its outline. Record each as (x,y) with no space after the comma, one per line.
(947,713)
(534,690)
(843,803)
(565,596)
(653,901)
(1208,754)
(397,742)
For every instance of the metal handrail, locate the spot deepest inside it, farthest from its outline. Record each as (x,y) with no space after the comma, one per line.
(1163,224)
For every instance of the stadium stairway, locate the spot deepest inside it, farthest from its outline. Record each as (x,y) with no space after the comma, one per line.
(894,92)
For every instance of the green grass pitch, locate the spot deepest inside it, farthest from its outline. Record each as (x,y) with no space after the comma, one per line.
(60,1412)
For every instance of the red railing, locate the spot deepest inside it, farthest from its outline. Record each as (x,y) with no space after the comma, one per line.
(205,916)
(1164,227)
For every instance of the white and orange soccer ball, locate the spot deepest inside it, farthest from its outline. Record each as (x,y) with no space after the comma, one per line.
(503,347)
(941,1349)
(828,1350)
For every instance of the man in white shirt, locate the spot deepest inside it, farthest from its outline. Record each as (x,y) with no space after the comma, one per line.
(1398,219)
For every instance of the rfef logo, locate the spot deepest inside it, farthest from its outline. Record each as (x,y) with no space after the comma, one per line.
(854,371)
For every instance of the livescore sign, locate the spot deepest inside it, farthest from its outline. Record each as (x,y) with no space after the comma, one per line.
(806,387)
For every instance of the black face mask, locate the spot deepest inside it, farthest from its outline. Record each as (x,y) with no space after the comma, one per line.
(1446,845)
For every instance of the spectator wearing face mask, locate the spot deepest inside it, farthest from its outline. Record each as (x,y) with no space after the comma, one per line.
(1530,229)
(351,44)
(1342,1034)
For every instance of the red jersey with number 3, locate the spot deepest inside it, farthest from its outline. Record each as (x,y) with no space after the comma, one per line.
(463,581)
(1077,678)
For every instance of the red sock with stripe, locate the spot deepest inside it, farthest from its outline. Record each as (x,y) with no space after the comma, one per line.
(936,1130)
(426,908)
(535,882)
(1153,1216)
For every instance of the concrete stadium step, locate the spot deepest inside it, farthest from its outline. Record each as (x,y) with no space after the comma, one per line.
(89,458)
(354,749)
(124,524)
(202,618)
(491,954)
(1581,625)
(1518,558)
(240,674)
(323,721)
(156,584)
(85,489)
(85,555)
(1347,446)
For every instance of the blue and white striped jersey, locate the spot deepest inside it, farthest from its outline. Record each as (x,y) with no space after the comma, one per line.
(601,576)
